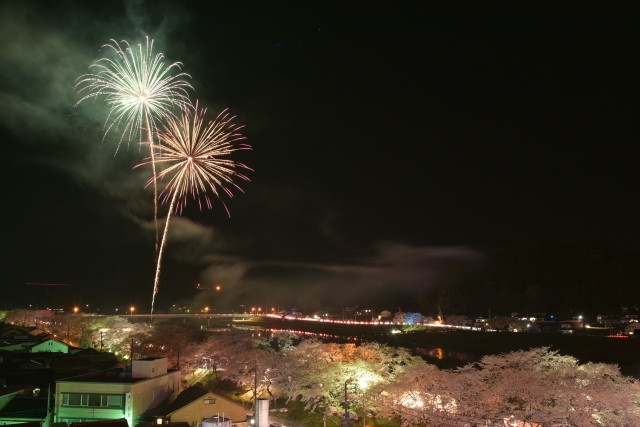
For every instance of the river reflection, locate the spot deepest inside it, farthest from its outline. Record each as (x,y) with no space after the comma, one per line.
(440,357)
(446,358)
(441,354)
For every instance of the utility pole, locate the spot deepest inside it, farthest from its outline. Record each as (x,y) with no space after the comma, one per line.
(255,387)
(255,396)
(131,351)
(346,402)
(100,340)
(49,404)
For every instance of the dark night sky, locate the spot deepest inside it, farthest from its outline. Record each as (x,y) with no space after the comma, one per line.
(388,137)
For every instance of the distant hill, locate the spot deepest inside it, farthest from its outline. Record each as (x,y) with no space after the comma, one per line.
(582,278)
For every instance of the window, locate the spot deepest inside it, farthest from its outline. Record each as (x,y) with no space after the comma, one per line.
(92,400)
(209,401)
(114,401)
(74,399)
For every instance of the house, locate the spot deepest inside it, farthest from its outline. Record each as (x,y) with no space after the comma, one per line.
(117,392)
(29,406)
(8,393)
(50,346)
(196,403)
(633,328)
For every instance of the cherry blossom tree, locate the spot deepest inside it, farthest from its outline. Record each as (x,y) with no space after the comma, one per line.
(523,388)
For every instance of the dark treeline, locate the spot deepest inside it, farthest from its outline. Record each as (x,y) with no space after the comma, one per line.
(553,277)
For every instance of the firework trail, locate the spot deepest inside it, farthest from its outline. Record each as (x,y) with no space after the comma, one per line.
(196,159)
(140,88)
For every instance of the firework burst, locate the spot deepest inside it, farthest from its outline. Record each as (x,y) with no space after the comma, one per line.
(140,88)
(197,162)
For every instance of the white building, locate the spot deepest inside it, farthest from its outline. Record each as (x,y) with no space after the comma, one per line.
(116,393)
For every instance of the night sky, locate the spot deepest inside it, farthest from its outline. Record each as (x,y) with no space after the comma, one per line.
(389,138)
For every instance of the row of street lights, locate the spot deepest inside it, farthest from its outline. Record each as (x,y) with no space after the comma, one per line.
(132,309)
(76,309)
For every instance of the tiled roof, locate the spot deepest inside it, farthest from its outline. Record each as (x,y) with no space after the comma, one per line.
(26,407)
(121,422)
(186,397)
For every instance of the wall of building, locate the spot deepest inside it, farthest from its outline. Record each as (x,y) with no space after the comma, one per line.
(152,392)
(138,397)
(50,346)
(148,368)
(199,409)
(65,413)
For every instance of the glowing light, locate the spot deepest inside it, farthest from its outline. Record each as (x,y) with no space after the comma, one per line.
(208,147)
(218,288)
(75,309)
(137,85)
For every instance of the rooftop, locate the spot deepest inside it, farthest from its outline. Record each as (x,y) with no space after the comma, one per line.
(26,407)
(187,396)
(112,375)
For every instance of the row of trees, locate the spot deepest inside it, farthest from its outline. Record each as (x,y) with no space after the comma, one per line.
(532,386)
(529,387)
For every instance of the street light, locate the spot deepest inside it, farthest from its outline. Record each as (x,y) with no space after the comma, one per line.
(132,308)
(75,309)
(218,288)
(206,310)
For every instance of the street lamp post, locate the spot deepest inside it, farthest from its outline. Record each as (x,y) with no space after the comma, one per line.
(345,421)
(132,309)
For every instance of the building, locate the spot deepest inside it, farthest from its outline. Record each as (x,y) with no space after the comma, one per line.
(116,393)
(197,403)
(13,337)
(22,405)
(50,346)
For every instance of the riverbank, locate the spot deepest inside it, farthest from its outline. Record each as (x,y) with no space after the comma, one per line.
(452,348)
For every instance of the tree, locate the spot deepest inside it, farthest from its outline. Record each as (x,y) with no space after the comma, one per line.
(542,386)
(414,319)
(458,320)
(524,388)
(319,372)
(421,394)
(399,317)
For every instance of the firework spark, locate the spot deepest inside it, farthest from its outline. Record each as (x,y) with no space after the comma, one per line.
(139,88)
(197,162)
